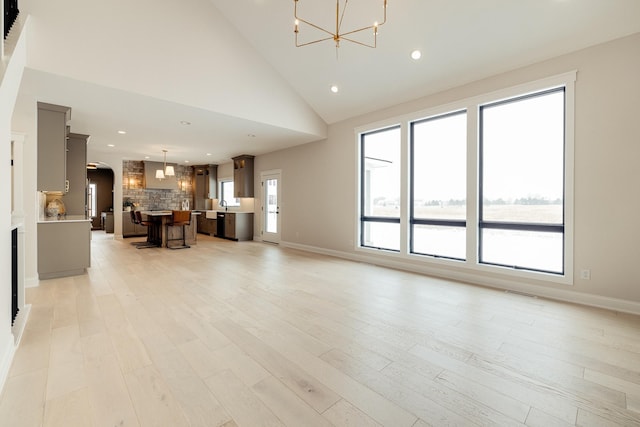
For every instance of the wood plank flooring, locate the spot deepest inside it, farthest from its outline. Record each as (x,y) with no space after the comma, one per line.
(250,334)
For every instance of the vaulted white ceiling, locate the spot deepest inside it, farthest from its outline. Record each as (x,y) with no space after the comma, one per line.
(231,69)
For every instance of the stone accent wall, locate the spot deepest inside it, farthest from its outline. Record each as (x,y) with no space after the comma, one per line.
(151,199)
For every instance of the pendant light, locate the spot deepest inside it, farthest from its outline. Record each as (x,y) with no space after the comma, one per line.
(166,170)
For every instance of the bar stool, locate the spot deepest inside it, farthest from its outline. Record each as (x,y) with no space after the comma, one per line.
(179,218)
(152,238)
(132,216)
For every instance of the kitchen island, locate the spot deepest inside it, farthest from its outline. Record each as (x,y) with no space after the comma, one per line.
(64,246)
(160,220)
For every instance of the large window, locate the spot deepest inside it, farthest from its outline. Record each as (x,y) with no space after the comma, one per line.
(522,182)
(485,183)
(380,189)
(439,185)
(226,194)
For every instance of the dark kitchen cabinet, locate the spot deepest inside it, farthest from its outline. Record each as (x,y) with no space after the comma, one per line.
(206,225)
(238,225)
(106,221)
(129,228)
(205,184)
(243,176)
(230,226)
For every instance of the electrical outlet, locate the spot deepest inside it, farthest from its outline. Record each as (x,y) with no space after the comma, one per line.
(585,274)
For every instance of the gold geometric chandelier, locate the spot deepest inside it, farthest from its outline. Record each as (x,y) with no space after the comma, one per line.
(337,36)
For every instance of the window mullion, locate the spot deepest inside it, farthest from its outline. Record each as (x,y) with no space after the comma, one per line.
(404,188)
(472,184)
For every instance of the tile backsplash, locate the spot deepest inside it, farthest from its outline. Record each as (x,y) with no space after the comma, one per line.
(151,199)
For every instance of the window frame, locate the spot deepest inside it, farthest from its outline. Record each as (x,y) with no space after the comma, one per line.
(424,221)
(364,219)
(470,267)
(512,225)
(236,201)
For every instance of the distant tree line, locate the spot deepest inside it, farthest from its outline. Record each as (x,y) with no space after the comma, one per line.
(523,201)
(450,202)
(498,202)
(462,202)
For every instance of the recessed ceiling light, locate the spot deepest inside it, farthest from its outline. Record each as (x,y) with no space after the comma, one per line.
(334,89)
(186,161)
(146,157)
(208,154)
(184,122)
(122,132)
(416,54)
(110,145)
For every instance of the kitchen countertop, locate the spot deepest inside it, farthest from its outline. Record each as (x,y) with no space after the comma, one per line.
(223,211)
(211,214)
(164,212)
(65,218)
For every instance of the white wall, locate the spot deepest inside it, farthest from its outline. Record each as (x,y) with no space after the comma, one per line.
(319,179)
(9,86)
(191,43)
(28,129)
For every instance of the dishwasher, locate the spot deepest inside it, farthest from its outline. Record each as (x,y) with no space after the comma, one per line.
(220,224)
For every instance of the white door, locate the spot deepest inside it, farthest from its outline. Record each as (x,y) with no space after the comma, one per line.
(271,206)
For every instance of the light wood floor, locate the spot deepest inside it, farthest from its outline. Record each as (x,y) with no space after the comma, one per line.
(249,334)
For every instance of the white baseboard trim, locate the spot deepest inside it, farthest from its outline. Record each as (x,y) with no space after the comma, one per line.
(6,359)
(20,323)
(559,294)
(12,344)
(31,282)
